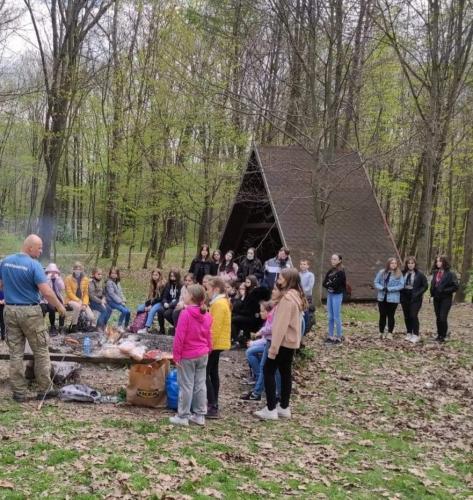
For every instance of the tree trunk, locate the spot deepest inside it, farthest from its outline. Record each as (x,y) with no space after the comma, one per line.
(467,264)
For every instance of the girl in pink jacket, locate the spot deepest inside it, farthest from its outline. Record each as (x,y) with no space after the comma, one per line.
(192,344)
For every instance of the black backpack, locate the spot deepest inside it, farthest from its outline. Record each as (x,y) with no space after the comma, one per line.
(83,323)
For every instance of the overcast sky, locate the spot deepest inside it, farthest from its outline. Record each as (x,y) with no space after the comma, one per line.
(22,36)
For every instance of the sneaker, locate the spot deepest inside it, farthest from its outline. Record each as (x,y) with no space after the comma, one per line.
(121,329)
(46,395)
(142,331)
(177,420)
(328,340)
(266,414)
(19,398)
(248,381)
(337,341)
(389,336)
(382,335)
(408,337)
(212,413)
(251,397)
(197,419)
(414,339)
(440,340)
(283,412)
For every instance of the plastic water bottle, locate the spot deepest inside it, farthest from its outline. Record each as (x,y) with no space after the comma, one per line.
(87,346)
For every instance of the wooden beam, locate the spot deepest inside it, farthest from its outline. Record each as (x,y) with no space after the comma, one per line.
(96,360)
(259,225)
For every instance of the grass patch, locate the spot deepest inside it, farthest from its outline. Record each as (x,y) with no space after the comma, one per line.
(119,463)
(60,456)
(354,313)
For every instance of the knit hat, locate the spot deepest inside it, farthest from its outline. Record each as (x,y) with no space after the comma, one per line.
(52,268)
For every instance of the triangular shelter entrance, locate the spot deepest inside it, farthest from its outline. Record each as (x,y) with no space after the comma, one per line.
(274,207)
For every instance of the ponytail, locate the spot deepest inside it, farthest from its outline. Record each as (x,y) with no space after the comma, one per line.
(197,296)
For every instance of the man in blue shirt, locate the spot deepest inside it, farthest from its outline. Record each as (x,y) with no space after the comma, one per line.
(24,282)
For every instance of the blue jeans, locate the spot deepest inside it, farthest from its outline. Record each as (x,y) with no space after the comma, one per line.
(334,312)
(253,356)
(104,313)
(124,312)
(151,313)
(259,386)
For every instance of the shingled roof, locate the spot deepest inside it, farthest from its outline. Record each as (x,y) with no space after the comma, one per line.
(274,207)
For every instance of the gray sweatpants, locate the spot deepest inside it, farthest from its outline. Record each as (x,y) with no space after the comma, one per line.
(192,387)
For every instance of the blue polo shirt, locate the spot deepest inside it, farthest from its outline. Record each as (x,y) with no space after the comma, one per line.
(21,276)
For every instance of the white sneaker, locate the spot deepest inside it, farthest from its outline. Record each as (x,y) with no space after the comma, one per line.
(121,329)
(389,336)
(177,420)
(266,414)
(382,335)
(142,330)
(197,419)
(283,412)
(408,337)
(414,339)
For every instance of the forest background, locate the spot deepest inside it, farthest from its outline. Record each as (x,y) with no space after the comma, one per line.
(125,126)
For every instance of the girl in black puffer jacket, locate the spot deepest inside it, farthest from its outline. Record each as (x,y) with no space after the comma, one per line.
(444,284)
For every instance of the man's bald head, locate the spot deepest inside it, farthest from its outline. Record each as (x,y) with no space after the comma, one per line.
(32,246)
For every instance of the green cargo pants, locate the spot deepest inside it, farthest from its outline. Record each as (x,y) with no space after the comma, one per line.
(27,323)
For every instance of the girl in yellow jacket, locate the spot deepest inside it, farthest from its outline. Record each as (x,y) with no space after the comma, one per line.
(221,333)
(77,295)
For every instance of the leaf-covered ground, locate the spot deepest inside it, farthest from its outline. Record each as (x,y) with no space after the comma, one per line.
(371,420)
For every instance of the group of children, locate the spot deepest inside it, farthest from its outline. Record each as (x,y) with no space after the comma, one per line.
(203,331)
(406,286)
(82,295)
(265,308)
(395,285)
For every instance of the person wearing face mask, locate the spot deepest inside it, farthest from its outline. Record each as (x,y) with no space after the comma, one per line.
(250,265)
(415,285)
(273,267)
(171,296)
(77,295)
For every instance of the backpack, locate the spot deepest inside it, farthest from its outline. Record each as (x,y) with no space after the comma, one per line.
(139,322)
(83,323)
(347,293)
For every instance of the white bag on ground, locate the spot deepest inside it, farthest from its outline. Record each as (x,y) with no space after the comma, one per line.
(79,392)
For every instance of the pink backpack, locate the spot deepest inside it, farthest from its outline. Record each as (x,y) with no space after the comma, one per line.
(139,322)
